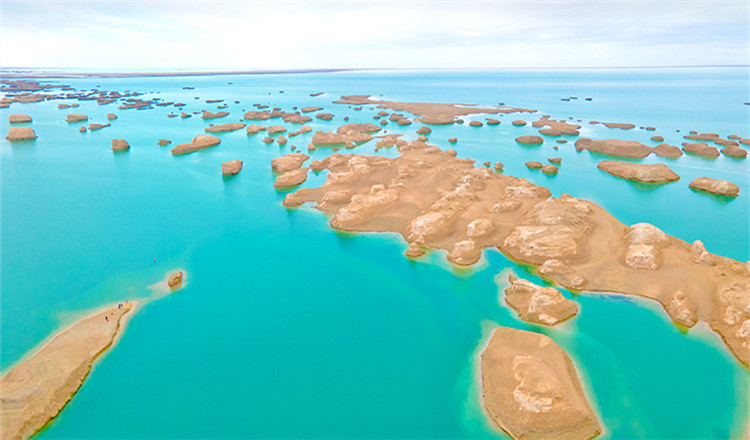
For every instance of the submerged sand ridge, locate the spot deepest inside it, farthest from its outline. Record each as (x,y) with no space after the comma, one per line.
(436,200)
(530,388)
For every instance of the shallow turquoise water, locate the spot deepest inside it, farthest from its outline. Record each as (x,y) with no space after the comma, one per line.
(288,329)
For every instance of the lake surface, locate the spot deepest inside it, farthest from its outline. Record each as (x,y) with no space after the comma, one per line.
(289,329)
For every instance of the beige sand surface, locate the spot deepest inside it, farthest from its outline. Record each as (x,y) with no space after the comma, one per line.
(531,390)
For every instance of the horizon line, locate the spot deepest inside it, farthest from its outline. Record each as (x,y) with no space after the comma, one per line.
(18,72)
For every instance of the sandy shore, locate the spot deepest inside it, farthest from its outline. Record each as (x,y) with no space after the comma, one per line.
(35,391)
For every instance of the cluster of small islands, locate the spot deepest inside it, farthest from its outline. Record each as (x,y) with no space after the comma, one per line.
(437,200)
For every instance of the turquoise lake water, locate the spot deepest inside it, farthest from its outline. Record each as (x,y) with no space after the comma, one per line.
(288,329)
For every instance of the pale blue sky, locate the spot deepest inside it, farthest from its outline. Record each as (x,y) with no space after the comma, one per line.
(233,35)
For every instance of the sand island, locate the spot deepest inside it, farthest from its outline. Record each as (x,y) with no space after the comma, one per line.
(531,390)
(437,200)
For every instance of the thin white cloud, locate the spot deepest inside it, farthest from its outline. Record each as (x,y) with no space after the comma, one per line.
(271,35)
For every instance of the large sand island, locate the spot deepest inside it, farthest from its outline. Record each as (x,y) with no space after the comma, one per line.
(436,200)
(531,389)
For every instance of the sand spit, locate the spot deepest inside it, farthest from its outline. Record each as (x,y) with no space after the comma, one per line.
(716,186)
(646,173)
(614,147)
(530,388)
(430,113)
(199,142)
(437,200)
(35,391)
(18,134)
(231,167)
(537,304)
(222,128)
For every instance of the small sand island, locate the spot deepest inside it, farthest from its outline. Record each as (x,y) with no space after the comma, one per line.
(716,186)
(200,142)
(537,304)
(640,172)
(36,390)
(531,390)
(17,134)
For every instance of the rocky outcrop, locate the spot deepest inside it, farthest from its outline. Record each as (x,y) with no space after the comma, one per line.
(440,201)
(288,162)
(200,142)
(540,305)
(640,172)
(18,134)
(550,169)
(254,129)
(94,126)
(111,116)
(221,128)
(75,117)
(701,149)
(120,145)
(291,178)
(175,280)
(324,116)
(734,151)
(276,129)
(209,115)
(531,390)
(614,147)
(556,128)
(311,109)
(669,151)
(519,123)
(231,167)
(716,186)
(530,140)
(16,119)
(644,242)
(475,124)
(163,142)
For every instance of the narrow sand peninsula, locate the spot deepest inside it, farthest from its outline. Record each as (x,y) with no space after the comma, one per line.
(35,391)
(531,389)
(430,112)
(640,172)
(437,200)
